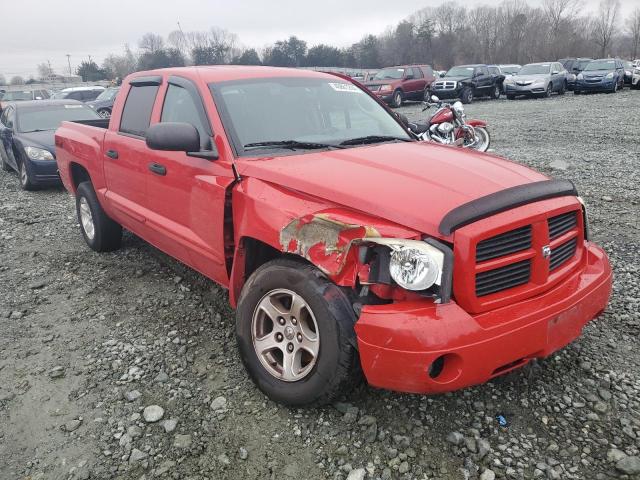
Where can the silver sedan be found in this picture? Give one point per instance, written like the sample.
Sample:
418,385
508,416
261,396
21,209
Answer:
537,79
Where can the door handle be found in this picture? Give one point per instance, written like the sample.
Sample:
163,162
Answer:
158,169
112,154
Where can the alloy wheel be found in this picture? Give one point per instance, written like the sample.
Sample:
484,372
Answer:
285,335
24,175
86,219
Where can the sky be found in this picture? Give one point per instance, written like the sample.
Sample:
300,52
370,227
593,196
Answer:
44,30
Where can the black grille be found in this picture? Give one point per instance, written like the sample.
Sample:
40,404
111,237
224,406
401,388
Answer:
503,278
561,254
562,224
504,244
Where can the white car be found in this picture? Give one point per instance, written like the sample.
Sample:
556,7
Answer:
635,78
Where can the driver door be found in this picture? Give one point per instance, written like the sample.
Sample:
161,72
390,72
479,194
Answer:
186,195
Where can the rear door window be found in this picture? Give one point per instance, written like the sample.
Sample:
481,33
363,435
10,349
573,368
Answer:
136,115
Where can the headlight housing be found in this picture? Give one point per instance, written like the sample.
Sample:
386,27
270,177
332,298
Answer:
580,76
385,88
413,264
35,153
609,75
458,108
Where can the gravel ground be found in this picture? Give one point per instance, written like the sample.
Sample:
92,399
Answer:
124,365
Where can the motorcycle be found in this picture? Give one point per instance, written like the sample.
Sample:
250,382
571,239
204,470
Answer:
449,126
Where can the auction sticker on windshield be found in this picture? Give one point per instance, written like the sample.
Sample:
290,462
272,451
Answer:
345,87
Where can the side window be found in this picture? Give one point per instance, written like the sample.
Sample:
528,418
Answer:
136,115
417,73
179,106
75,95
428,71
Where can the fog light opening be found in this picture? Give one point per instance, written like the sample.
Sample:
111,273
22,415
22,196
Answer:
436,367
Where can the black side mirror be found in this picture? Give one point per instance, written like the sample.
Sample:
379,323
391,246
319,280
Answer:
178,137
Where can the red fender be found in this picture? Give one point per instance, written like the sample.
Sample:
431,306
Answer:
477,123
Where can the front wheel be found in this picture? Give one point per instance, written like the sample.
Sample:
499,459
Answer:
547,93
396,100
295,334
26,183
466,96
495,93
481,141
100,232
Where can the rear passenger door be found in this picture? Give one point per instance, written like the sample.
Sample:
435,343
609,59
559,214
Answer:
125,154
418,83
186,194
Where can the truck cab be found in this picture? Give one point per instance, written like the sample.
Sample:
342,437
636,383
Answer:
348,247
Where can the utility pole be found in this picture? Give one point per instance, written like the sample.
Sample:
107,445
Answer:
69,62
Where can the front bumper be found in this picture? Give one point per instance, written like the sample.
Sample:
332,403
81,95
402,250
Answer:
44,172
600,86
386,97
421,347
448,93
524,89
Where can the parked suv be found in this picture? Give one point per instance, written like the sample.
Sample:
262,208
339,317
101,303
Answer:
537,79
394,85
603,75
573,66
466,82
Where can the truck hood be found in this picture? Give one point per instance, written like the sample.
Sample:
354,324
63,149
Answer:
531,78
411,184
452,79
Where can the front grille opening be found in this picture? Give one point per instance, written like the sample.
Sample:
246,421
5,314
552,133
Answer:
561,224
503,278
561,254
504,244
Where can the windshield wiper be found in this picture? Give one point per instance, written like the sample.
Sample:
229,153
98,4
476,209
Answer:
290,144
38,130
373,139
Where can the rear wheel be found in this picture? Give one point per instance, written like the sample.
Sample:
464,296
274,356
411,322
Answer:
511,97
295,334
495,93
396,100
563,88
104,113
26,182
100,232
466,96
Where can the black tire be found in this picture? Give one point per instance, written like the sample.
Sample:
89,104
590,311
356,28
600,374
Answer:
614,89
576,92
495,93
466,95
107,234
397,99
547,93
563,88
511,97
24,177
337,367
104,113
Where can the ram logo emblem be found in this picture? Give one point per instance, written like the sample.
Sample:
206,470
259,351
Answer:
546,251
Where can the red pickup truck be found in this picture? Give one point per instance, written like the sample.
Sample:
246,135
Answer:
347,247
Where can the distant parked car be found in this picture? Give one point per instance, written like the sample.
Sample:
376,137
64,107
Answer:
628,71
394,85
104,102
82,94
27,138
574,66
24,95
509,69
603,75
467,82
635,79
537,79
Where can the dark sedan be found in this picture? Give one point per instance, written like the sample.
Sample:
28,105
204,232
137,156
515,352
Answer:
104,103
27,138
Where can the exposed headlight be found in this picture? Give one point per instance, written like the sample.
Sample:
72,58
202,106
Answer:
38,153
609,75
414,265
509,80
580,76
458,108
385,88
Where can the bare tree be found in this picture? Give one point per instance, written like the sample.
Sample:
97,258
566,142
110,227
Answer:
44,70
151,42
558,14
17,80
604,23
178,40
633,29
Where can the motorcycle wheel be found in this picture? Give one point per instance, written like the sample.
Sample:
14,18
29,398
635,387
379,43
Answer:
482,140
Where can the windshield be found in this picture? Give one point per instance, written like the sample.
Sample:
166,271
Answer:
581,64
601,65
108,94
49,118
511,70
535,69
389,74
18,96
460,72
312,110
